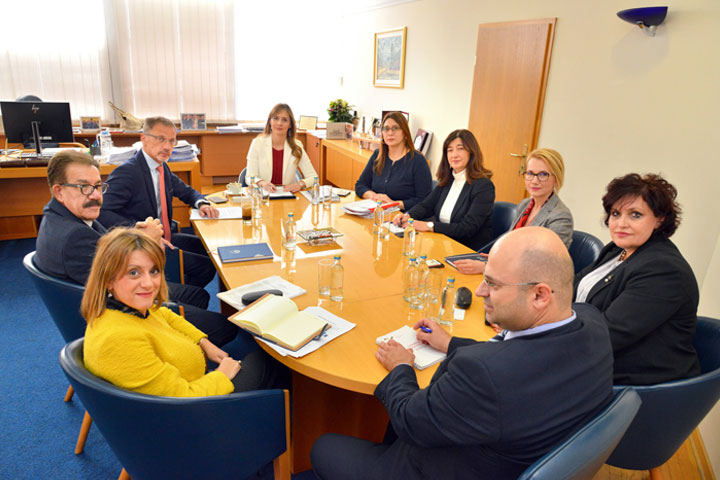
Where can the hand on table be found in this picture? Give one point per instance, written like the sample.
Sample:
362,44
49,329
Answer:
401,220
391,354
470,267
267,186
439,339
421,226
208,211
293,187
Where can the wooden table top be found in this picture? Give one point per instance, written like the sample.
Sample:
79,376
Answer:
372,285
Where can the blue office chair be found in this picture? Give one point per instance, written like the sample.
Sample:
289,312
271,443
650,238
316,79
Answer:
241,177
62,299
502,217
672,410
225,436
582,455
174,265
584,249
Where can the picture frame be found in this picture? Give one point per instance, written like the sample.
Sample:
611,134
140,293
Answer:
389,58
192,121
90,123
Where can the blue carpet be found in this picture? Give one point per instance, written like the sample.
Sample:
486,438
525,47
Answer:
38,430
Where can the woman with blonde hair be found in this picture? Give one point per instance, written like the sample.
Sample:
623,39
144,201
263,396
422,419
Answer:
396,172
136,343
275,155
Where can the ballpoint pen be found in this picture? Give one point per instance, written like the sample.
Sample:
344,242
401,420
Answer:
425,329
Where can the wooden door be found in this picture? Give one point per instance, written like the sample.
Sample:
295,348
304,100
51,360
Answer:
511,70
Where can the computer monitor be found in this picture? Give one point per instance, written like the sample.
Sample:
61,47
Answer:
53,120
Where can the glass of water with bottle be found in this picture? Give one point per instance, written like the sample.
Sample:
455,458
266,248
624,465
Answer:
409,238
447,302
337,278
289,232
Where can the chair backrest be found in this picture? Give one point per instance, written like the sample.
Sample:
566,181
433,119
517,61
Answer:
672,410
153,437
174,265
584,249
503,214
583,454
241,177
61,298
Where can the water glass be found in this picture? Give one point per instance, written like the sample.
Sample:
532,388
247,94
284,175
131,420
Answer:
324,276
326,195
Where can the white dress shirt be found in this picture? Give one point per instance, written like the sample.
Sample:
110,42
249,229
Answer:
452,197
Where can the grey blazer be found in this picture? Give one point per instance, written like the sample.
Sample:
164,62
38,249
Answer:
553,215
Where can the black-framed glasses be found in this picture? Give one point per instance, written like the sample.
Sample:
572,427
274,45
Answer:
394,128
542,176
87,189
171,141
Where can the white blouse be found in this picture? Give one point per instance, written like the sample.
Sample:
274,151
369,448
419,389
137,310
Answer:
594,277
452,197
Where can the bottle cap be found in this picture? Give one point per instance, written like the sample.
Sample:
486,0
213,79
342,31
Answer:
451,279
336,257
423,256
290,215
410,221
412,259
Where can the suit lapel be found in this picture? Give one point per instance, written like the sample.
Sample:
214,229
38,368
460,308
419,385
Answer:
462,199
147,179
287,163
544,212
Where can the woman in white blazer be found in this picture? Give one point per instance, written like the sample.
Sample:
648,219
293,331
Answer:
276,154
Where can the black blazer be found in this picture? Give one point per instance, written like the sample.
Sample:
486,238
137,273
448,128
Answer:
471,218
131,197
650,305
493,408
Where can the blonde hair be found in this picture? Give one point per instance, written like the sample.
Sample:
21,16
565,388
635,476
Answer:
290,137
111,259
554,161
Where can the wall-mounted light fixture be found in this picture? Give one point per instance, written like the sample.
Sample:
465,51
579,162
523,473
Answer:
647,18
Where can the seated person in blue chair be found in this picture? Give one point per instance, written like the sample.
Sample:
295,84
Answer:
396,172
544,173
643,286
460,206
275,155
69,233
492,408
136,343
144,187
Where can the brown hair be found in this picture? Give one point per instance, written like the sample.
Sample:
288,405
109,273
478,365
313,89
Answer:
474,169
150,122
296,150
59,162
554,161
657,192
383,153
111,258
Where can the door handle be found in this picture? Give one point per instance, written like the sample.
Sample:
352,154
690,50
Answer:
521,156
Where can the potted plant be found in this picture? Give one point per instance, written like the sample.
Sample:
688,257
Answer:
340,111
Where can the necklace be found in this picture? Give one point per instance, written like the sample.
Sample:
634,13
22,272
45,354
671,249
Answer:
623,254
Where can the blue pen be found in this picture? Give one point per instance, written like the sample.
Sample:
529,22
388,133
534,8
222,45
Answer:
425,329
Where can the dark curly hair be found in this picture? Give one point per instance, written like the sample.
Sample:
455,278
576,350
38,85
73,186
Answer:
657,192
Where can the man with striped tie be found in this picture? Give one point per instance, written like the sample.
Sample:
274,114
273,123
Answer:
492,408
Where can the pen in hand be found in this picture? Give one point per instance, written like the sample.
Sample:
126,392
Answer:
425,329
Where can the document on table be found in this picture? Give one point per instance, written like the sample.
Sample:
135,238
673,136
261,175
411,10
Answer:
225,214
234,297
338,326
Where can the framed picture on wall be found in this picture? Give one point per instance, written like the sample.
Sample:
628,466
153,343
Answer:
192,121
389,58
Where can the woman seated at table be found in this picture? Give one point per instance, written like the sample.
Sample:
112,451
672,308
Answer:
275,155
396,172
544,175
137,344
642,284
460,206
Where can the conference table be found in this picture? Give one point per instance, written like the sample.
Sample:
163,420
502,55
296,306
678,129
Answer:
333,386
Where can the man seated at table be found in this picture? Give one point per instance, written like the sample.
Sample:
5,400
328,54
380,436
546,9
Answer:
69,233
135,194
492,408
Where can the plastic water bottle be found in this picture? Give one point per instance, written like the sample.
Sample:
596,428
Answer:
447,311
410,279
257,201
315,192
378,217
409,238
106,144
423,276
337,277
289,232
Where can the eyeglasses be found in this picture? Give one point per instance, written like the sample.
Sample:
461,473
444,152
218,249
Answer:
495,285
170,141
87,189
393,129
542,176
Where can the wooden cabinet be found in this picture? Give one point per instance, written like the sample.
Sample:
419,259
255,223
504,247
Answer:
312,147
342,162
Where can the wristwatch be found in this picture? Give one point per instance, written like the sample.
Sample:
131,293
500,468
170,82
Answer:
431,226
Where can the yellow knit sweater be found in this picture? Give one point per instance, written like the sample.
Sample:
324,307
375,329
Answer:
157,355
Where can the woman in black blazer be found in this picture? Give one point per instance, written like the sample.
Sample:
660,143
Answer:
641,283
460,206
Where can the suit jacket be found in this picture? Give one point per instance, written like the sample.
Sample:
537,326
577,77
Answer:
131,197
471,218
65,244
650,304
260,162
493,408
553,215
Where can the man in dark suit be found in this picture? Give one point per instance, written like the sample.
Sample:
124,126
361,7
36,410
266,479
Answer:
492,408
69,233
135,193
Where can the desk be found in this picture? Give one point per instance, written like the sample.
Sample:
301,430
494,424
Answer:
333,386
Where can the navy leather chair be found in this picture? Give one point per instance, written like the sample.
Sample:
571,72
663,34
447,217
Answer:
583,454
241,177
584,249
174,266
62,299
502,217
672,410
225,436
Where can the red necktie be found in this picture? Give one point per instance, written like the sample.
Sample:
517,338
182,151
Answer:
163,203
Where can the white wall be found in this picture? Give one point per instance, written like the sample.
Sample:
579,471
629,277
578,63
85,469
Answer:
617,101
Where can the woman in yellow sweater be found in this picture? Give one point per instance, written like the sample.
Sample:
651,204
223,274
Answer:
137,344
